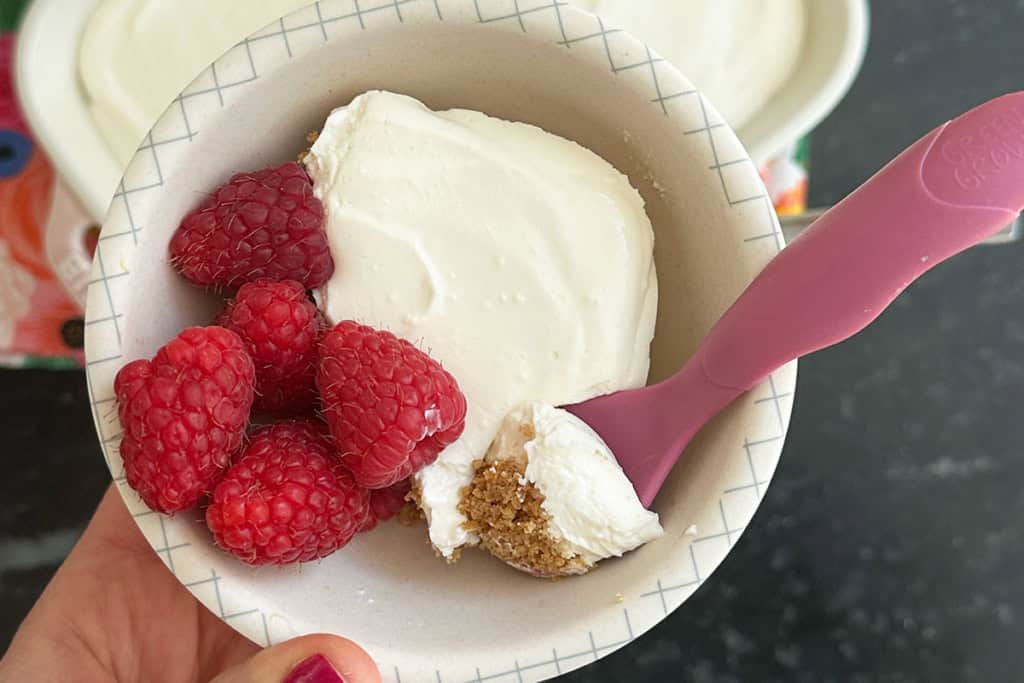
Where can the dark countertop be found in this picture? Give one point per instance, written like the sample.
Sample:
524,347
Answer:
890,544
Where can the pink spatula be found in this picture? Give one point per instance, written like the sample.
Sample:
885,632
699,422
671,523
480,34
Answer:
953,188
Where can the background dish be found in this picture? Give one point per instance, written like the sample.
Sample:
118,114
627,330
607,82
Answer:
51,94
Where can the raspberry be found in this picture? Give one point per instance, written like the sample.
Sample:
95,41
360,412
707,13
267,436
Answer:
386,503
391,408
184,415
261,224
287,498
280,326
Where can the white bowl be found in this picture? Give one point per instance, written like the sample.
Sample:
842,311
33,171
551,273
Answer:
548,65
55,105
835,40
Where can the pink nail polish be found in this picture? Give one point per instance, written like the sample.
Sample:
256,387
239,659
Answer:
316,669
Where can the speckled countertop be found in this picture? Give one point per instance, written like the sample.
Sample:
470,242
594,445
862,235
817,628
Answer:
891,544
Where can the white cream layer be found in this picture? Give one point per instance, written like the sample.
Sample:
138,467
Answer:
518,259
740,53
137,55
593,507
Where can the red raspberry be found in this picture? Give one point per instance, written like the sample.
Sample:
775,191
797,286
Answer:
261,224
391,408
287,498
386,503
280,326
184,415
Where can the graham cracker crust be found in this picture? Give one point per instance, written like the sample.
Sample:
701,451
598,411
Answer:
412,513
311,138
505,511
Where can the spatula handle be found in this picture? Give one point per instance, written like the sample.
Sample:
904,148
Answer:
953,188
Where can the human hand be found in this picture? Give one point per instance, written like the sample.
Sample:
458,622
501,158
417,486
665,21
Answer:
113,613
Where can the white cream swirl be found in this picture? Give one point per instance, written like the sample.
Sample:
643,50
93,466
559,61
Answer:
521,261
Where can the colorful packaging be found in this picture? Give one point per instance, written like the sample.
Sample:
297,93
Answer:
785,176
39,323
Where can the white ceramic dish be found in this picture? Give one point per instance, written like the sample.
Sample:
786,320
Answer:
835,40
48,83
46,75
715,228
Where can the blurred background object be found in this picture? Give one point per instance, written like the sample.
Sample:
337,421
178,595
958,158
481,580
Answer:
95,74
892,530
40,325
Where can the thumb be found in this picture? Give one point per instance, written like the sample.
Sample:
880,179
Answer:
310,659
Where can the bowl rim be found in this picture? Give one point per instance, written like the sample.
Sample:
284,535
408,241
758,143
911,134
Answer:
103,343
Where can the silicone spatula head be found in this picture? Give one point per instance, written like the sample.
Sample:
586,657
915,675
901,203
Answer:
953,188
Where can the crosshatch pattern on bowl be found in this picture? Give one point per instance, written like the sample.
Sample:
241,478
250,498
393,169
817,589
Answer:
309,29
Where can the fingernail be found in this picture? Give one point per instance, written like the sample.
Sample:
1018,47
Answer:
316,669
